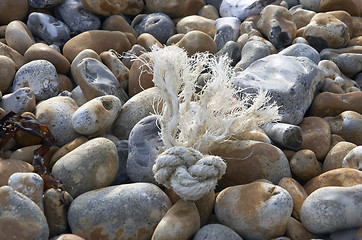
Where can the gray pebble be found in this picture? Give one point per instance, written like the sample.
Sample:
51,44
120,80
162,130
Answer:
122,176
252,51
216,232
44,3
302,50
48,28
227,29
232,50
22,100
136,50
41,76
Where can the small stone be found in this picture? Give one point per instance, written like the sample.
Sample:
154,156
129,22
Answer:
29,184
243,9
48,28
331,209
198,23
41,76
296,230
107,8
181,221
118,23
7,72
20,101
138,208
12,54
43,51
13,10
175,8
197,41
136,108
301,17
10,166
348,125
357,24
18,36
119,70
158,25
209,11
146,40
335,156
277,24
97,40
316,134
244,209
301,50
341,177
304,165
56,113
128,57
56,204
216,232
250,29
252,51
297,193
250,160
20,217
232,51
139,76
353,7
326,31
97,115
227,29
353,159
271,47
65,83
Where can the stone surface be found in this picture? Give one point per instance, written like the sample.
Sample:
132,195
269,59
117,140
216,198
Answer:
291,81
301,50
353,7
7,72
342,177
13,10
139,77
131,7
295,230
181,221
56,113
301,17
175,8
353,159
67,236
90,166
336,154
118,23
145,144
20,217
304,165
48,28
44,3
112,60
277,25
250,160
227,29
255,211
232,50
13,54
146,40
197,23
122,176
216,232
138,208
209,11
97,115
197,41
252,51
10,166
18,36
331,209
41,76
20,101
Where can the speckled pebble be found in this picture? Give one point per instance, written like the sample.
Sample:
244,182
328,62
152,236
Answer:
216,232
20,101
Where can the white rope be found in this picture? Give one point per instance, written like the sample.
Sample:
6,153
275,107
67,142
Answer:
190,174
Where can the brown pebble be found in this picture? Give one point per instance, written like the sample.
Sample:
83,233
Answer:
118,23
146,40
18,36
139,79
197,41
10,166
13,10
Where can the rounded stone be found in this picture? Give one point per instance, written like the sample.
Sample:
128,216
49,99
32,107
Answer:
10,166
341,177
13,10
245,208
7,51
232,50
7,72
197,41
129,57
146,40
190,23
41,76
311,4
118,23
56,113
138,208
252,51
48,28
158,25
44,3
20,217
97,40
304,165
43,51
97,115
353,159
301,17
112,60
301,50
181,221
175,8
18,36
107,8
90,166
353,7
296,230
216,232
20,101
335,156
139,78
67,236
330,209
209,11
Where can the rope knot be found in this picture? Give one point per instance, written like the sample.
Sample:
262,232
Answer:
190,174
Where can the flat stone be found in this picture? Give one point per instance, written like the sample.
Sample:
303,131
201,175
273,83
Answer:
138,208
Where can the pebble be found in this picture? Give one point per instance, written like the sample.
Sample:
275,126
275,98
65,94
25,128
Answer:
145,144
304,165
102,7
44,3
301,17
20,217
209,11
243,159
244,209
295,230
232,50
195,22
56,113
11,53
227,29
29,184
7,72
175,8
252,51
197,41
13,10
56,204
139,76
20,101
118,23
216,232
97,115
41,76
302,50
10,166
90,166
48,28
341,177
138,208
181,221
122,176
330,209
18,36
276,23
119,70
336,154
353,7
146,40
353,159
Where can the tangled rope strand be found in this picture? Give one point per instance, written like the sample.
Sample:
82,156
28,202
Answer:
188,172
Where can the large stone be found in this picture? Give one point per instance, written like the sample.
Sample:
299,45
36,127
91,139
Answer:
129,211
198,23
353,7
291,81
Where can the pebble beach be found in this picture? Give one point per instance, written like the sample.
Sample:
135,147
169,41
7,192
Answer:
170,119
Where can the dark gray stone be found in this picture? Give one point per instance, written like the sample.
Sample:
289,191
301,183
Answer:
122,176
232,50
285,135
48,28
145,144
252,51
216,232
78,19
44,3
158,25
301,50
292,83
129,56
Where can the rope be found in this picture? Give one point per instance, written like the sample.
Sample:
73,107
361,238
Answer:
190,174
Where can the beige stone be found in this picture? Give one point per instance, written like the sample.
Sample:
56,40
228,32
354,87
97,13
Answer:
335,156
344,17
357,41
104,7
304,165
196,22
175,39
18,36
13,54
357,26
210,12
301,17
65,84
197,41
7,72
13,10
353,7
296,231
146,40
10,166
353,159
118,23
